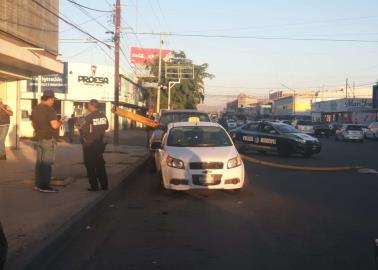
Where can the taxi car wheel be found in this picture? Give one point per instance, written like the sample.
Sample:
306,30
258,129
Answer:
159,181
151,164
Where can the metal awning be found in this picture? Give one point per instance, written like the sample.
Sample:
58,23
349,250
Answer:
19,63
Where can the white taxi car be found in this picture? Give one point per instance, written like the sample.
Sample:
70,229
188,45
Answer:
198,155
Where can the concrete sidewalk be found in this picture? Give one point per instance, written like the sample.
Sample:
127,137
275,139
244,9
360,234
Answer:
30,217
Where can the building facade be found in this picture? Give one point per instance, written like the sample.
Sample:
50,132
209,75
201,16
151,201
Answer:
28,47
74,88
346,110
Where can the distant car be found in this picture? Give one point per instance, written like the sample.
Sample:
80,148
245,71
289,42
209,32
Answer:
231,123
334,126
350,132
199,156
288,122
173,116
240,122
312,128
274,137
372,131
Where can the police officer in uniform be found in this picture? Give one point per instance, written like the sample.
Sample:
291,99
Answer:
92,134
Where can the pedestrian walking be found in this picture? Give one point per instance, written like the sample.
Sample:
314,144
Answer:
5,114
46,130
71,128
92,134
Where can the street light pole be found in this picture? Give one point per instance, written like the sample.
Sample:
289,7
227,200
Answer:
116,67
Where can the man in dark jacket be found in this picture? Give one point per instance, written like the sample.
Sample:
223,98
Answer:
3,248
92,134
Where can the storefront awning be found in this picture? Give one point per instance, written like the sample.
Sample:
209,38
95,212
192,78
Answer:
18,62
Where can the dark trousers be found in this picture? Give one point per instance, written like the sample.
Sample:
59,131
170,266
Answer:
46,151
95,164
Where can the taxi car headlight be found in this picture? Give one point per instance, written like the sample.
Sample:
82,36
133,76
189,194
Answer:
175,163
234,162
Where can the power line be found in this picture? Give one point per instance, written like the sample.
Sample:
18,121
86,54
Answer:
260,37
303,23
70,23
86,7
84,22
85,12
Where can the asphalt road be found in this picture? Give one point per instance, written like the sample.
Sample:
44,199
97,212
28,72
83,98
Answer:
285,220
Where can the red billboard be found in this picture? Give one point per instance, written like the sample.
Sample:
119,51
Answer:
145,56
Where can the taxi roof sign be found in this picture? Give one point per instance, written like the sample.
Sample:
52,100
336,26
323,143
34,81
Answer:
193,119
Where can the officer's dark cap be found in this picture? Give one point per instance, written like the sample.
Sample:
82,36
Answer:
94,102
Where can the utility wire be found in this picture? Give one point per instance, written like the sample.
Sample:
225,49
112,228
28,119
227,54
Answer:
85,12
86,7
70,23
260,37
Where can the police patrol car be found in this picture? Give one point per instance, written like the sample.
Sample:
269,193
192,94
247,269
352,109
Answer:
267,136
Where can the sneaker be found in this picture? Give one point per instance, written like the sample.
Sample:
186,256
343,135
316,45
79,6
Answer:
48,190
37,189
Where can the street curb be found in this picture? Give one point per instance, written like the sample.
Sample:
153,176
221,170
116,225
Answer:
43,252
300,168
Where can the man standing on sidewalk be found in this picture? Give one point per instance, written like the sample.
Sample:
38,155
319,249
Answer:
92,134
5,114
46,127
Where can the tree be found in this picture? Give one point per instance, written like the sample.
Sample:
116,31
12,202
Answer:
190,92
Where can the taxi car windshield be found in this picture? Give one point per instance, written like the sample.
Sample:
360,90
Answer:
284,128
173,117
198,137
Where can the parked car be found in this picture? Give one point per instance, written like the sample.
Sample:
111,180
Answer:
334,126
350,132
231,123
266,136
199,156
240,122
312,128
372,131
172,116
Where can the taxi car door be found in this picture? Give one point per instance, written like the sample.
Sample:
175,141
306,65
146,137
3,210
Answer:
268,137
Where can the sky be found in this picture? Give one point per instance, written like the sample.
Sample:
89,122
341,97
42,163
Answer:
299,44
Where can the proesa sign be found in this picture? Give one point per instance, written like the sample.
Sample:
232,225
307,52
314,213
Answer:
93,80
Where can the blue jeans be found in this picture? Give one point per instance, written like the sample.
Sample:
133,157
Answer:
3,135
46,151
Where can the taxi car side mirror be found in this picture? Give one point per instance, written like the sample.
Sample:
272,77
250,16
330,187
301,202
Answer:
156,145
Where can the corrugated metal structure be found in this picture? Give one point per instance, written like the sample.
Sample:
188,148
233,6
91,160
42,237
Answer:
28,39
25,20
